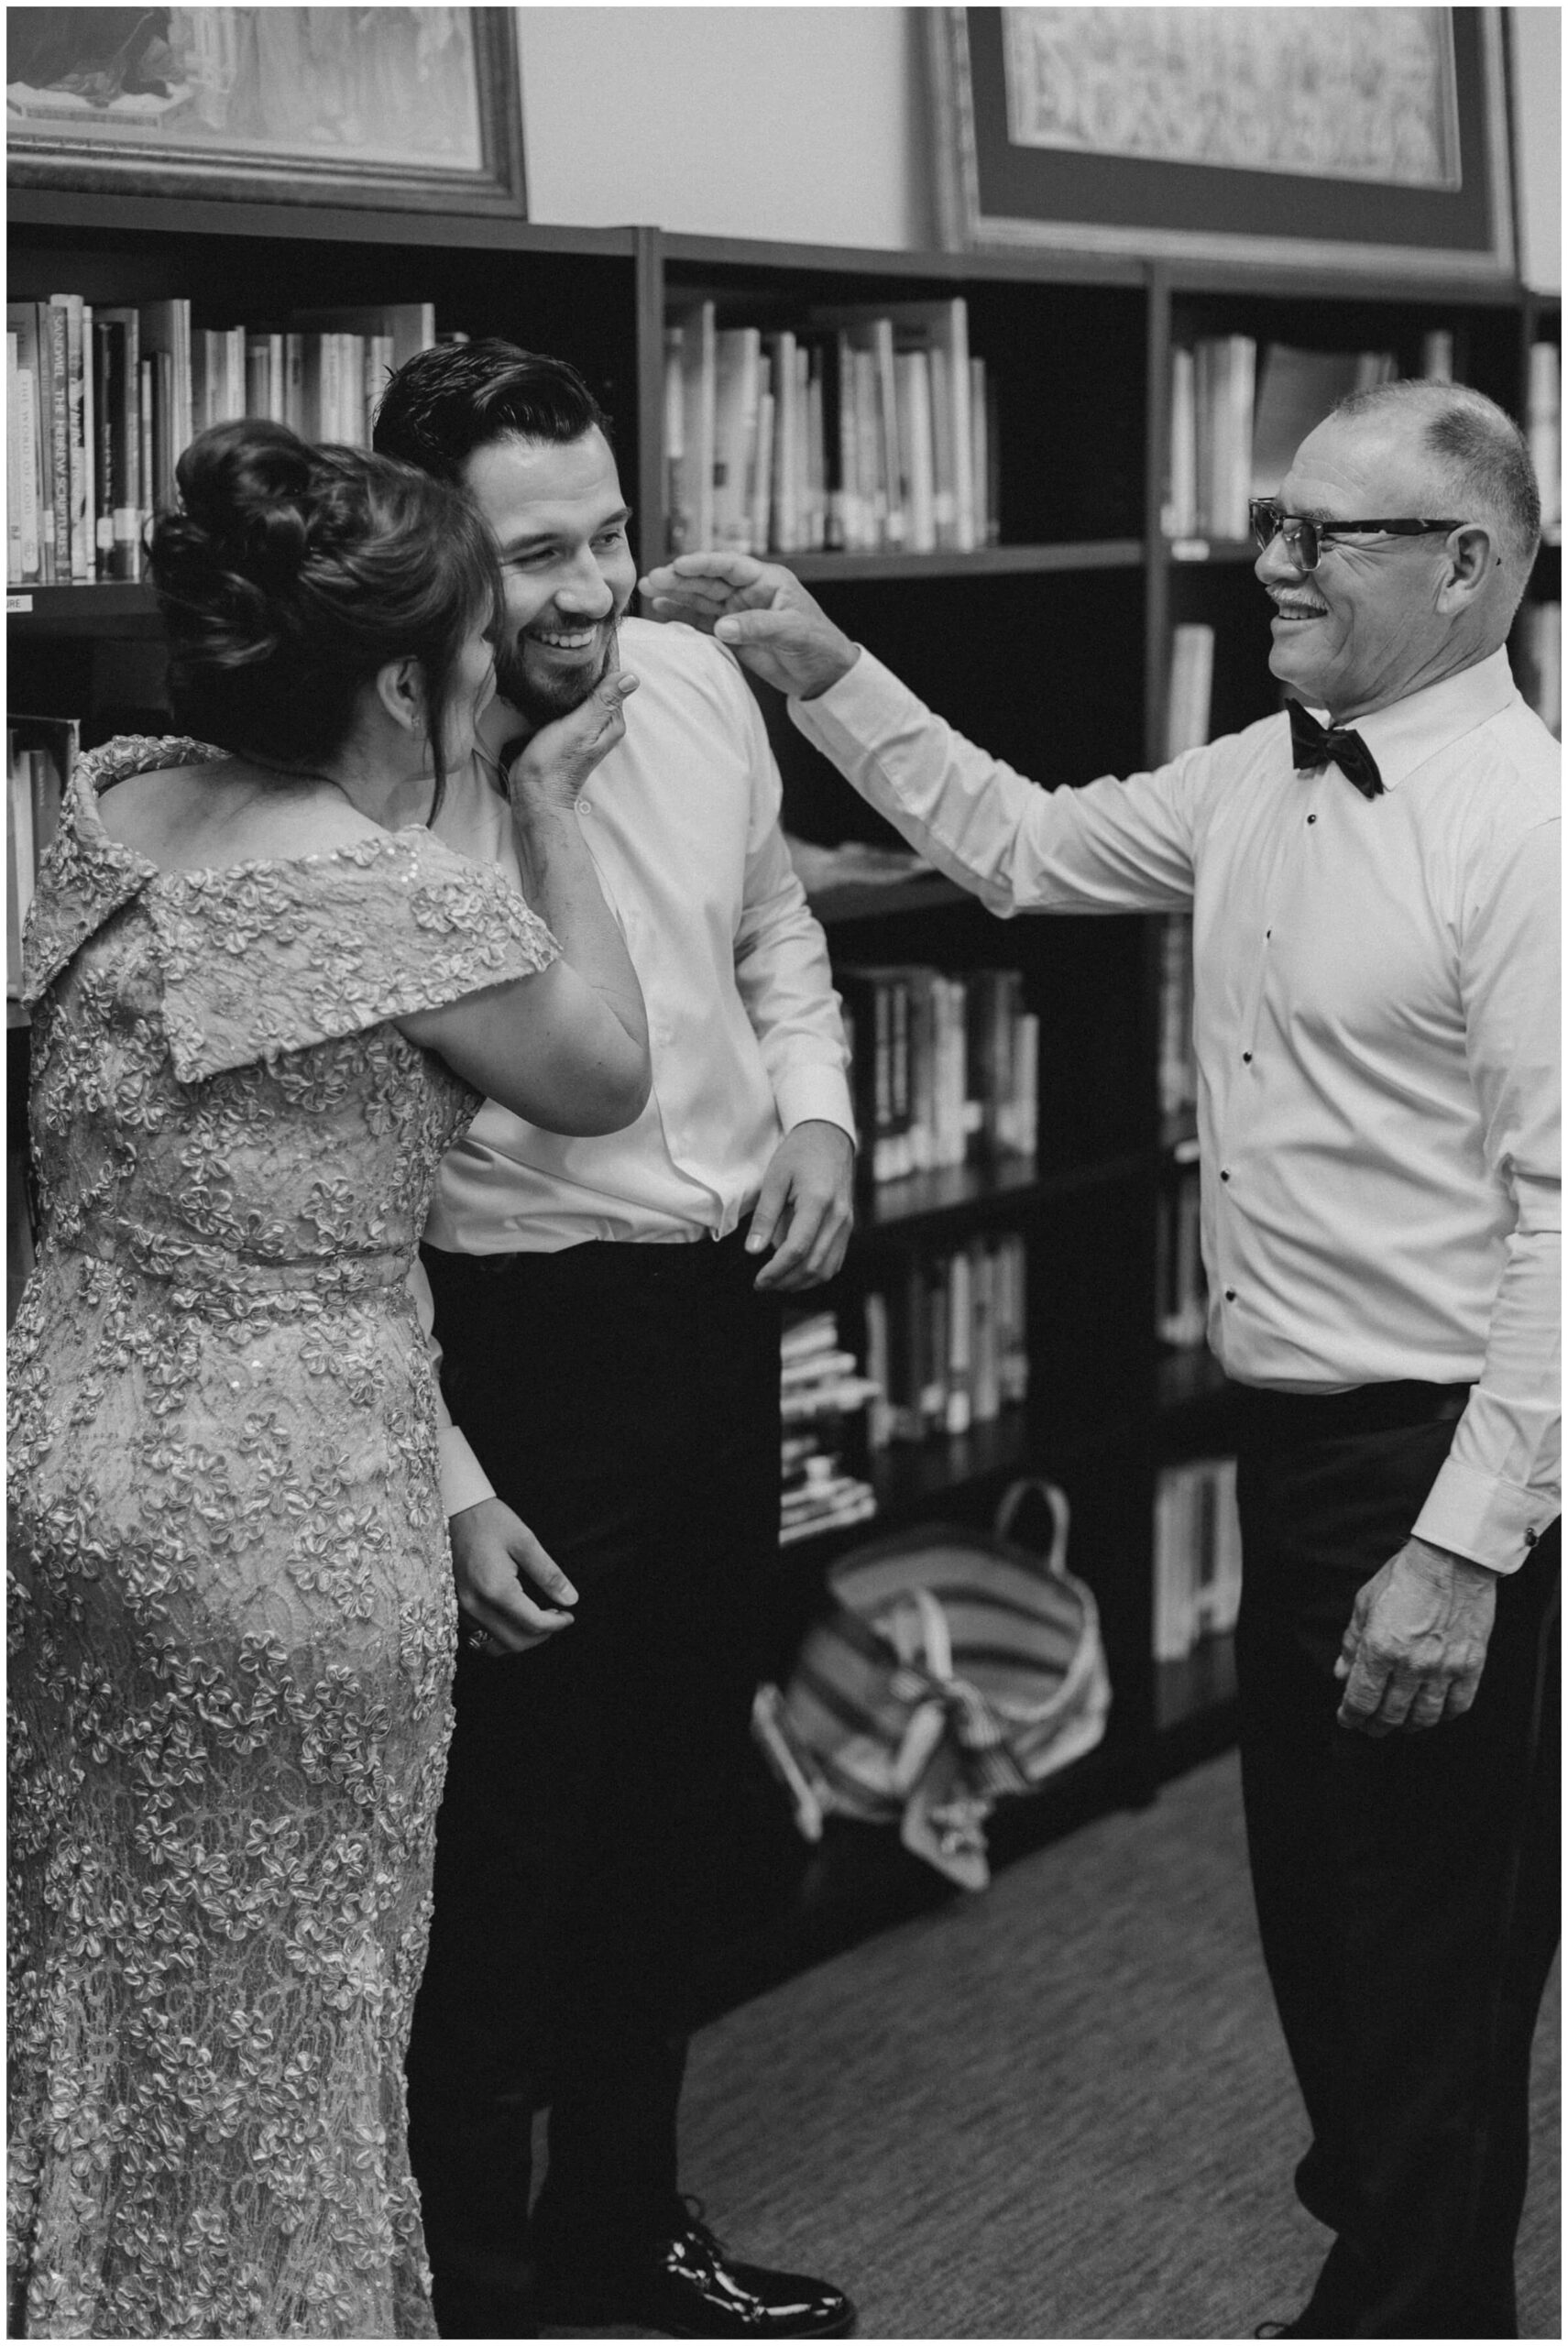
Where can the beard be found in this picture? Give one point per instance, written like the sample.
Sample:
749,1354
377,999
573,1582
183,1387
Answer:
541,699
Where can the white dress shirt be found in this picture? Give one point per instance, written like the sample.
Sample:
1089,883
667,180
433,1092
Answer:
682,821
1375,1030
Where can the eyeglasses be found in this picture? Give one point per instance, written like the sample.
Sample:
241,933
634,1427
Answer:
1305,541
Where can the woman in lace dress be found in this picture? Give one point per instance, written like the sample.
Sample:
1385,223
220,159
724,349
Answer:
261,1012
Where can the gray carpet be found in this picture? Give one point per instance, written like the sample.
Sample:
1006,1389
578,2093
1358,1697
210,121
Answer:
1061,2110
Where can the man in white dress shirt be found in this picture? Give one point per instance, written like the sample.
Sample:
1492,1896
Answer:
1376,941
608,1313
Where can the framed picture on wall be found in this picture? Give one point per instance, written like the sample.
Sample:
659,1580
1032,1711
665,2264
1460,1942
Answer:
408,107
1374,136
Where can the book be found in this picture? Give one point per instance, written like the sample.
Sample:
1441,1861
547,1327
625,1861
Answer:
165,338
1544,426
40,754
691,516
78,536
122,435
1192,682
1295,388
738,352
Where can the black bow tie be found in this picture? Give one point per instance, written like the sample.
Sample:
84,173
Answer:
1314,746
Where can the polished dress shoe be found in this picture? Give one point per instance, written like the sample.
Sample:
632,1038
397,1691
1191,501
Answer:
687,2287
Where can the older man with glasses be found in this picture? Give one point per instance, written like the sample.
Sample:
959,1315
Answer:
1373,875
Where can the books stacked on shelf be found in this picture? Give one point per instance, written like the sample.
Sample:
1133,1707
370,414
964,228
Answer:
103,402
860,430
1181,1290
1235,423
821,1388
947,1341
39,754
1177,1059
1540,661
1544,424
1197,1555
945,1067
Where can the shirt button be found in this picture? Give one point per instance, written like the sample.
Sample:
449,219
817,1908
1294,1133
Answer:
1247,1058
1311,818
1267,935
1230,1295
1223,1175
584,805
1530,1538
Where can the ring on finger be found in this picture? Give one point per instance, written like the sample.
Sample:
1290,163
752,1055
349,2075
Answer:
476,1639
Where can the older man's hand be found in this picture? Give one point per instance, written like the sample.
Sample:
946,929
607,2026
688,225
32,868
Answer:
762,611
1413,1653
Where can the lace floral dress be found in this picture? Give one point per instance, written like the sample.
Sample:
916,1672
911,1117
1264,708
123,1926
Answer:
232,1610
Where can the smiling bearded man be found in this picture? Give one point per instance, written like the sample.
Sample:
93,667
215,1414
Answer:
609,1319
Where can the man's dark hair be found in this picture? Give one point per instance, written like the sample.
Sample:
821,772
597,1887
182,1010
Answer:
444,403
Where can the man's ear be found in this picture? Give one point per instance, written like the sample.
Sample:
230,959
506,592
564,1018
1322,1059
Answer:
399,687
1472,555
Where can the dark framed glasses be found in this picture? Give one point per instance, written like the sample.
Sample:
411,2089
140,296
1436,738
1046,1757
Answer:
1305,541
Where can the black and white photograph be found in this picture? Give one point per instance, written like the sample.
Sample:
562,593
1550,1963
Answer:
784,1174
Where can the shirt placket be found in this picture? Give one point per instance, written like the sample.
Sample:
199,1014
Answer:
1295,828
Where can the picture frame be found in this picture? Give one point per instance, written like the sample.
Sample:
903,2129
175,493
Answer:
396,108
1111,131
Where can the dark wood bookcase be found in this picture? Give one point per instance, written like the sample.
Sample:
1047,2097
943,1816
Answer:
1051,648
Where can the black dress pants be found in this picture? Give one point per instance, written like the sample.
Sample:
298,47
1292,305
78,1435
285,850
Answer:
624,1398
1407,1886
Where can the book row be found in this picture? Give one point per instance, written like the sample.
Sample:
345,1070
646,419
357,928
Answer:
944,1066
857,431
822,1386
102,403
946,1344
1236,422
1197,1555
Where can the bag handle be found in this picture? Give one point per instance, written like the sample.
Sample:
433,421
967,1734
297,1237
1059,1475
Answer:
1035,1485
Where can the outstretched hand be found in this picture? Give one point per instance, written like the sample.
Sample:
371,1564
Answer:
762,611
557,760
492,1549
1416,1645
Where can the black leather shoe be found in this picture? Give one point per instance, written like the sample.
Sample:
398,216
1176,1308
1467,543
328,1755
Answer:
689,2288
480,2293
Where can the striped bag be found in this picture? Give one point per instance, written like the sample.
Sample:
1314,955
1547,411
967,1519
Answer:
952,1668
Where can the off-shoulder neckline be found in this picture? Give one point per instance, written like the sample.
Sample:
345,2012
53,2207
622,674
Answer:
91,782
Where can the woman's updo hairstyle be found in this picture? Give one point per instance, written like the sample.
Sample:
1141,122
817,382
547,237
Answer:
292,575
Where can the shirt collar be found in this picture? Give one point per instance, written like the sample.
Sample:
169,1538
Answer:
1406,733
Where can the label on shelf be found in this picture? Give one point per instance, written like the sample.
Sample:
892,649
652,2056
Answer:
1190,549
18,602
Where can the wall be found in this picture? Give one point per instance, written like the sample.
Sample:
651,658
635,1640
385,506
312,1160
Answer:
1537,39
808,125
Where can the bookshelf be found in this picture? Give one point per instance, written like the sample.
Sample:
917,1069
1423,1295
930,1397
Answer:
1057,633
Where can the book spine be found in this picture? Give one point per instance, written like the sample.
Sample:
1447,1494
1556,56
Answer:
59,442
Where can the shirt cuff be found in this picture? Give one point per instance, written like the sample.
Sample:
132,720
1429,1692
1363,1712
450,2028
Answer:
464,1482
857,698
814,1094
1493,1523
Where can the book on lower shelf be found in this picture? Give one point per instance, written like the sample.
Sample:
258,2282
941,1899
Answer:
40,753
946,1343
1197,1556
824,1395
1181,1306
944,1065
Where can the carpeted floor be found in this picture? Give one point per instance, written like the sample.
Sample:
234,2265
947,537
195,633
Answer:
1061,2110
